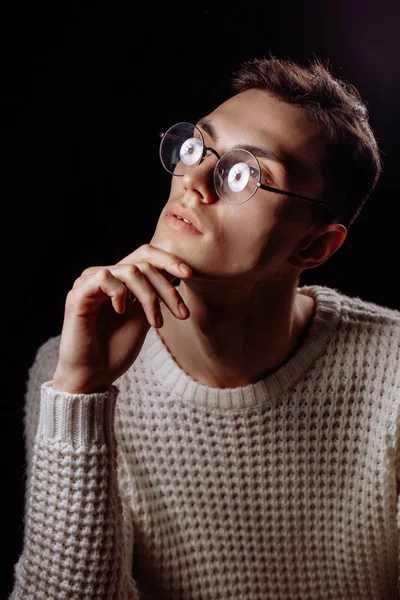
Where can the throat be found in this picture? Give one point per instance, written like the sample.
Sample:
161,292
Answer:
236,355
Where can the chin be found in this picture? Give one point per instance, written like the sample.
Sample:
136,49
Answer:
203,262
164,243
172,245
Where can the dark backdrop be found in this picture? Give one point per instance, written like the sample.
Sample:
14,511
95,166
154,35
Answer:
85,91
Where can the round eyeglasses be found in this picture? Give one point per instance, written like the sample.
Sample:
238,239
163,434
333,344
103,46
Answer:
237,174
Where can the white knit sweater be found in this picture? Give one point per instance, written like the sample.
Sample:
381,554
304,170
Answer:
163,488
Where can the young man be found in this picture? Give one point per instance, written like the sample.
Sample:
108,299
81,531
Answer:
235,436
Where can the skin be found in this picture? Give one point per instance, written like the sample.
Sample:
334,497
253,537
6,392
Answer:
248,261
243,315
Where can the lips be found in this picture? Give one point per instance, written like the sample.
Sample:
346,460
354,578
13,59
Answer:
182,213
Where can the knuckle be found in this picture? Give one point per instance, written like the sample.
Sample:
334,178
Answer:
89,271
103,274
132,270
71,297
146,252
76,283
146,267
172,292
152,297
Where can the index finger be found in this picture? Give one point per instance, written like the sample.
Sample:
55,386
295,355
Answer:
160,259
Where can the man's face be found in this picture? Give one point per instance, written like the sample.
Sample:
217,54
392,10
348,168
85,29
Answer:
254,238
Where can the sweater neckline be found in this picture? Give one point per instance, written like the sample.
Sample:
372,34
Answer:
268,389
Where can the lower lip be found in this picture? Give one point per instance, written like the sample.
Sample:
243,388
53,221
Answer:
180,225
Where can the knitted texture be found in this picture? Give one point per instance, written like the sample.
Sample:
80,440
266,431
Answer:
164,488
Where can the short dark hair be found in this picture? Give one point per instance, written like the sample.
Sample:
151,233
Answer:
352,164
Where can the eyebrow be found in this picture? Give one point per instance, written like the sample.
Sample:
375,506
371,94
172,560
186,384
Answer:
260,151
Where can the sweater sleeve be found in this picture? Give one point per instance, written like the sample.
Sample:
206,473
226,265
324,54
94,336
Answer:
398,502
73,542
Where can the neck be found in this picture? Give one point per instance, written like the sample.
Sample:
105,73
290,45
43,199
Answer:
234,336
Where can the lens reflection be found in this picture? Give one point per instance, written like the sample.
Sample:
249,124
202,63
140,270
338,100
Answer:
181,148
236,174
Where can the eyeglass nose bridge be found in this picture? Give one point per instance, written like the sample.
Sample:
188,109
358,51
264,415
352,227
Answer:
212,171
212,150
208,149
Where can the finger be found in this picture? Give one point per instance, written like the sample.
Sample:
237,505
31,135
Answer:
91,270
166,291
149,287
160,259
143,282
89,293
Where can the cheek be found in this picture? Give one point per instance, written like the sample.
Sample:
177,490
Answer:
248,238
255,228
264,239
176,185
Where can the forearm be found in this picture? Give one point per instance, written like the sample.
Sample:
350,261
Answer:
72,536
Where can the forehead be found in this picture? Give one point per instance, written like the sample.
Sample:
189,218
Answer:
255,117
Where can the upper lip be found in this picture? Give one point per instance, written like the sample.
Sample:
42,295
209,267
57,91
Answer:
180,211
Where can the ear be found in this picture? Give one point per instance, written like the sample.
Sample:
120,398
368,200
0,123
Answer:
317,248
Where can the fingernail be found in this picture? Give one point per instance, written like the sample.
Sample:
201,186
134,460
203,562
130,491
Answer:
184,268
183,309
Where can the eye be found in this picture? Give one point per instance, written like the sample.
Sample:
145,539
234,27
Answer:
191,151
238,176
254,173
266,176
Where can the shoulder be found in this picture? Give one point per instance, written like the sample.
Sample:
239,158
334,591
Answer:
372,330
365,333
363,313
45,360
366,349
41,370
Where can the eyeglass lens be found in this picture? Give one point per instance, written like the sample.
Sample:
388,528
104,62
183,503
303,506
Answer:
236,174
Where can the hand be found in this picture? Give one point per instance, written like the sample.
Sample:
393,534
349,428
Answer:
103,329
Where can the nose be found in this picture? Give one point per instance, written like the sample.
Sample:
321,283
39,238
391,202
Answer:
200,179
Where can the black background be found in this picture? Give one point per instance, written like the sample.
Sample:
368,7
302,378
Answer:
85,91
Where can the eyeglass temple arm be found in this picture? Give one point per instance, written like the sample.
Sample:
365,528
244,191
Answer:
272,189
267,187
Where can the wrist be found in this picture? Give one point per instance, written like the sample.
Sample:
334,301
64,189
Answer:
61,383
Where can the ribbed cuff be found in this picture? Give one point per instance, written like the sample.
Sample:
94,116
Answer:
77,419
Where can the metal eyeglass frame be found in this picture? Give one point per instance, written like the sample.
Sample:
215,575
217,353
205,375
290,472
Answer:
263,186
